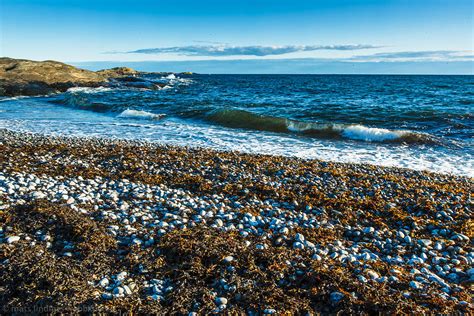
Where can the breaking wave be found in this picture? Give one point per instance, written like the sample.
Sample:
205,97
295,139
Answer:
360,132
88,89
246,120
137,114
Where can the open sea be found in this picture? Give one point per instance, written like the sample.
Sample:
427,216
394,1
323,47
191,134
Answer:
417,122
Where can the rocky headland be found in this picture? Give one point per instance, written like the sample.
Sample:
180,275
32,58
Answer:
20,77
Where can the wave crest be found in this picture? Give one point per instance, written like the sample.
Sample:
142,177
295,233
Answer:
137,114
360,132
88,89
247,120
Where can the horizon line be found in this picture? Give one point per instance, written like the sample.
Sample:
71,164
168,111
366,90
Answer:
294,66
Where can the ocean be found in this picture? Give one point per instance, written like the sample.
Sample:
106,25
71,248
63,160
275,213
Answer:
417,122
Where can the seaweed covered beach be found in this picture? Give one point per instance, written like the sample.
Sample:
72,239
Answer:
91,225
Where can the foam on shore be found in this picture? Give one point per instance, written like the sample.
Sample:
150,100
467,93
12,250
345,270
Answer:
360,132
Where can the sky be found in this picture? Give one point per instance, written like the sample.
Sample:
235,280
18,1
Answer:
305,36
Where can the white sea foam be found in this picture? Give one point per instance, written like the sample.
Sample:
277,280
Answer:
14,98
355,132
174,80
360,132
88,89
297,127
137,114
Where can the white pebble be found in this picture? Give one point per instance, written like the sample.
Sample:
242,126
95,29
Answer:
104,282
12,239
220,301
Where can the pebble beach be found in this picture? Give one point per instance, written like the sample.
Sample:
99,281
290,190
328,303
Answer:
103,225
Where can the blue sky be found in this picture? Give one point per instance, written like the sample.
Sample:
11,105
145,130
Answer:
416,32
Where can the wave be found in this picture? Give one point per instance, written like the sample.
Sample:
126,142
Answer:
173,80
4,99
167,87
133,84
360,132
88,89
137,114
247,120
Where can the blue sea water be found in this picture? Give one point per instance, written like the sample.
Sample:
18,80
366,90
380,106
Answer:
418,122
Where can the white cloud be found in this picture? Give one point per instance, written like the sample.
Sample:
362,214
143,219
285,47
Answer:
255,50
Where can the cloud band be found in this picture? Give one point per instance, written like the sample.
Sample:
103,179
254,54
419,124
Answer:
226,50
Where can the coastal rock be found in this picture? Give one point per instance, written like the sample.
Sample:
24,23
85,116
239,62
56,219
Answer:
121,276
221,301
13,239
38,195
117,72
104,282
269,311
29,78
336,297
118,290
107,296
416,285
136,82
